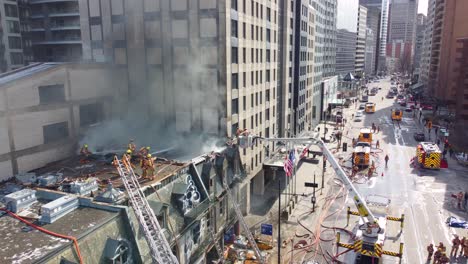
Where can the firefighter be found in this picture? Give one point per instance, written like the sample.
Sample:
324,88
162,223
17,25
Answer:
143,152
465,247
455,245
84,151
147,166
131,146
437,255
127,158
430,252
444,259
386,160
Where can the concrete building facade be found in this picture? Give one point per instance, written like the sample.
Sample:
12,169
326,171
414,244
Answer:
11,47
303,66
347,21
45,107
420,28
427,45
324,52
55,31
369,56
361,41
403,21
198,66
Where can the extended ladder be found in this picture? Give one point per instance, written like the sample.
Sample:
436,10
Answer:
216,244
159,247
244,224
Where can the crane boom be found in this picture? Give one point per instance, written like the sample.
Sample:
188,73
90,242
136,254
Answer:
364,211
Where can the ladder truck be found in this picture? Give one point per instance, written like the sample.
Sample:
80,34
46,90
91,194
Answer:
370,234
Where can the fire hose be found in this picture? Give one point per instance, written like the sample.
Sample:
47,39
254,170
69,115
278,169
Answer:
73,239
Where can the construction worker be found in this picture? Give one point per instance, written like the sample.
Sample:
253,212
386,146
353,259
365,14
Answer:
131,146
430,252
147,166
386,160
455,246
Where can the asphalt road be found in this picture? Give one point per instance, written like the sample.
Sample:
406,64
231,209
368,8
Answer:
422,195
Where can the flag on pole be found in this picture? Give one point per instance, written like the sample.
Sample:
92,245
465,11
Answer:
289,163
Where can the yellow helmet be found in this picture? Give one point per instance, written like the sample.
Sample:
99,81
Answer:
148,148
149,156
85,145
129,151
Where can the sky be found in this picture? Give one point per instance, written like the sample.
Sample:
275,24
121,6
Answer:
422,8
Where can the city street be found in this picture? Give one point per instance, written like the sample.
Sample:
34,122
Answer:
423,196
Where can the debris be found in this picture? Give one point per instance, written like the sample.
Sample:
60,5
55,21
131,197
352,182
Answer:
455,222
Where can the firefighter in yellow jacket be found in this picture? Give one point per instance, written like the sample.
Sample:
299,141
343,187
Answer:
147,166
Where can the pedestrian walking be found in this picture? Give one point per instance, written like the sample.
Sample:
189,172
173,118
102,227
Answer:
451,151
438,142
377,144
386,160
435,130
444,153
455,246
430,252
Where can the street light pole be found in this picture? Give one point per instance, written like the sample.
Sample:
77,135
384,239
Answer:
274,169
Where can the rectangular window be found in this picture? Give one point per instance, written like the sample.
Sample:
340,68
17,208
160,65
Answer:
251,122
261,55
252,32
243,6
256,55
244,105
244,81
256,32
252,55
11,10
256,120
244,30
234,4
52,94
314,108
13,26
16,58
261,11
256,77
91,114
233,28
252,8
14,42
267,95
267,114
267,76
268,35
267,55
256,99
252,100
267,132
235,106
261,97
234,55
252,78
261,75
234,81
55,132
268,14
244,55
256,10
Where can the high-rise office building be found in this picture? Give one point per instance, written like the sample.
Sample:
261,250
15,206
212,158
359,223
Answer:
197,66
369,56
55,30
303,66
11,46
380,7
361,41
420,27
347,21
325,51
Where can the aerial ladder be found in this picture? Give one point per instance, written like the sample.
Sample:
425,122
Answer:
160,249
370,236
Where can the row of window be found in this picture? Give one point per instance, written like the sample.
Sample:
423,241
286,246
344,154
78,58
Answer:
256,9
256,32
254,75
254,55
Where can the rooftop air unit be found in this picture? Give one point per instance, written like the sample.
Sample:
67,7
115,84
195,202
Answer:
57,208
84,187
20,200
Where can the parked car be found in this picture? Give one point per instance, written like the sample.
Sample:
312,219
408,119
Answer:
408,109
358,117
426,107
389,96
419,136
402,102
362,106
